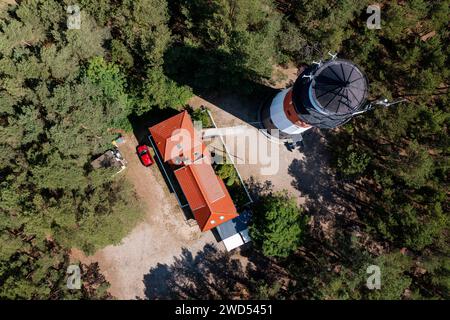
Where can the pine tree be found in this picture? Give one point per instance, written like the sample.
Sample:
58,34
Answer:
278,225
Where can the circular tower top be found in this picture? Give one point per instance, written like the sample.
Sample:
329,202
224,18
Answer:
328,95
338,86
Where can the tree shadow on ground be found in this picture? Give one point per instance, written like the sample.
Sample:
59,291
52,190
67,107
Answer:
216,76
298,274
330,200
140,124
312,175
315,178
257,188
208,274
326,197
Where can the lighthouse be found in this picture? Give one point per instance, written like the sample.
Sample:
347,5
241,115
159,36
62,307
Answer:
325,95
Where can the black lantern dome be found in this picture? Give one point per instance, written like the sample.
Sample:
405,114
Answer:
327,95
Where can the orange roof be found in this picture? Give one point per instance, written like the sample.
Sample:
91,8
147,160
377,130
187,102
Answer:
208,198
206,194
177,140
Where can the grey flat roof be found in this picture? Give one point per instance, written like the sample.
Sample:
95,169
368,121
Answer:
234,226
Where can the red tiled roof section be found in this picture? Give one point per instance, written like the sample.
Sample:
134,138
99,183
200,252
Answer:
190,188
176,137
201,186
222,210
163,130
178,142
206,177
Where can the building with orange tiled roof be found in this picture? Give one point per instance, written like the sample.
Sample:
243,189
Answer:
177,140
181,146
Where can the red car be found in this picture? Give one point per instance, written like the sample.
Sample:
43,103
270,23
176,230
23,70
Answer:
145,156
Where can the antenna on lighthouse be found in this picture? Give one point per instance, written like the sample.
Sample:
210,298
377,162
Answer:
333,55
385,102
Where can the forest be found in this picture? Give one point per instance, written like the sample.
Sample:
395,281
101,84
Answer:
135,56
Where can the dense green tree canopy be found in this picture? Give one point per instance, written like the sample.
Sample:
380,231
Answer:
51,79
222,43
401,154
278,225
64,92
352,283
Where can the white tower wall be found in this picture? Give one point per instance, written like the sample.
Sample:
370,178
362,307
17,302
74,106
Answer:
279,118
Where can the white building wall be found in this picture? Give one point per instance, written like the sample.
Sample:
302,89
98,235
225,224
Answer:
233,242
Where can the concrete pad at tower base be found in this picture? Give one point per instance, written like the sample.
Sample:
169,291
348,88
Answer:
252,172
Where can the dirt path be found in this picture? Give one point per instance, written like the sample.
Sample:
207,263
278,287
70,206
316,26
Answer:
158,239
6,2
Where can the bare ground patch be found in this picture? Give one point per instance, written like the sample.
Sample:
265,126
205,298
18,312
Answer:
158,239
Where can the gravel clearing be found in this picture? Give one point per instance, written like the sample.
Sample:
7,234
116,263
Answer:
158,239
